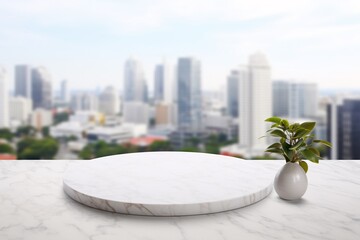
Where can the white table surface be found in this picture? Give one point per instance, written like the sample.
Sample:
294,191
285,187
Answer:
167,183
34,206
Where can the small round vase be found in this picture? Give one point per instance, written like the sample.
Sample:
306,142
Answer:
291,181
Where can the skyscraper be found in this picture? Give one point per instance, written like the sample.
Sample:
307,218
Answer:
281,96
23,86
343,128
4,99
64,91
255,104
233,94
135,88
189,111
41,88
164,95
159,83
295,99
164,83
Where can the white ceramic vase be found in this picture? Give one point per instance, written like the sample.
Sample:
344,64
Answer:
291,181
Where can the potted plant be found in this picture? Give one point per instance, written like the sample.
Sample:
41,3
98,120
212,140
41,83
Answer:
296,143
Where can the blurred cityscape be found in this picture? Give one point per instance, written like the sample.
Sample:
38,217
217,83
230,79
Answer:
42,121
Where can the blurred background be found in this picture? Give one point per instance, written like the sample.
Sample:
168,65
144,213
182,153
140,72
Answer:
83,79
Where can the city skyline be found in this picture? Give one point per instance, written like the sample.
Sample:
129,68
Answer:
315,42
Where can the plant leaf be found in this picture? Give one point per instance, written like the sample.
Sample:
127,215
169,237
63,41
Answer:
323,142
286,147
287,159
294,127
304,165
310,155
278,133
285,123
308,125
274,150
297,144
314,150
301,133
276,120
274,145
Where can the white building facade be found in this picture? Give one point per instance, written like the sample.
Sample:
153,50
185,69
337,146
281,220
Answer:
135,88
109,101
255,103
136,112
84,101
4,99
20,109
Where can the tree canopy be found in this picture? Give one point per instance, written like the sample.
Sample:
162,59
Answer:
31,148
5,133
6,148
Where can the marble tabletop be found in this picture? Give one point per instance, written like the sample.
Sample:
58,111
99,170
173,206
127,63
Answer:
34,206
167,183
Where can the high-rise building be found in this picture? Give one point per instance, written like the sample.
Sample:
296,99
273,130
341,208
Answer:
281,96
159,83
4,99
303,100
109,101
23,85
164,87
41,88
233,94
255,104
343,128
189,99
135,88
64,91
295,99
20,109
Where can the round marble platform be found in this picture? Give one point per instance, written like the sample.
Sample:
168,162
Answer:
167,183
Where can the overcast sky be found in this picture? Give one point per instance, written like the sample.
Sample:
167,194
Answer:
88,41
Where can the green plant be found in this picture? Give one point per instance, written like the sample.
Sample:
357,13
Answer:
296,141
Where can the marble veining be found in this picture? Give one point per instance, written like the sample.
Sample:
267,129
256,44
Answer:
167,183
34,206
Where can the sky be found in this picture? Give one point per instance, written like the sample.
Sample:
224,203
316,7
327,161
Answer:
88,41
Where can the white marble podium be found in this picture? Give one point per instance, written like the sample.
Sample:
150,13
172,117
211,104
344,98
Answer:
167,183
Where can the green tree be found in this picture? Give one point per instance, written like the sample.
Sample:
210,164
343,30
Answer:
189,149
160,146
212,148
49,147
222,138
212,144
30,148
45,131
23,144
86,152
101,149
26,131
5,133
6,148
